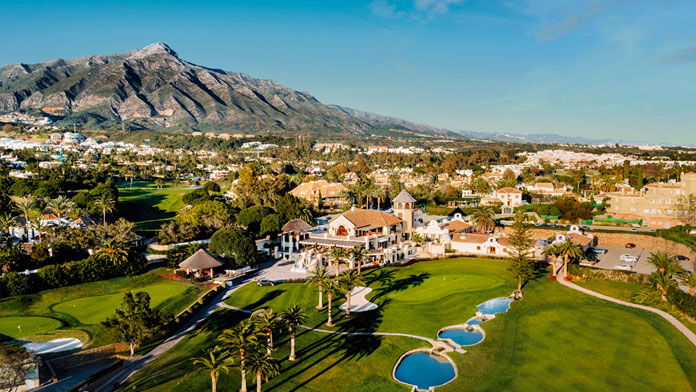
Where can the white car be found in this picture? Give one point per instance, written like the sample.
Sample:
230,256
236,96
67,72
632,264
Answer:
628,258
624,267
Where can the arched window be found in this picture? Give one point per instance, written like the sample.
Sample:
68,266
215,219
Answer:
341,231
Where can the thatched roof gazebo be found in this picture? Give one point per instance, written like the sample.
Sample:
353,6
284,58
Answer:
200,261
295,225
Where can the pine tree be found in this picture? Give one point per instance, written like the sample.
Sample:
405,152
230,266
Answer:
521,251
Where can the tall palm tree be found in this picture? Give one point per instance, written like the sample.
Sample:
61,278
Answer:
359,255
37,225
112,252
663,283
6,222
332,288
571,252
666,263
214,361
25,207
484,218
319,276
243,337
60,205
267,320
265,367
293,317
554,252
337,256
105,203
348,281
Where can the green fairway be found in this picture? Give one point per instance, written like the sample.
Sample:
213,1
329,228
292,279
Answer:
148,206
17,327
95,309
554,339
79,310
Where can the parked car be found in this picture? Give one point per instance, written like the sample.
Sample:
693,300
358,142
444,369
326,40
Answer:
630,245
624,267
634,229
585,227
682,258
628,258
599,251
265,282
653,230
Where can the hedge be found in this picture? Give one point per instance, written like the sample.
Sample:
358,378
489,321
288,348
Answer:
68,274
683,301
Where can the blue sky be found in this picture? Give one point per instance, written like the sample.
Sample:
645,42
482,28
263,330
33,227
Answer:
593,68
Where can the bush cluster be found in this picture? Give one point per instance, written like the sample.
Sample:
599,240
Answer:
683,301
68,274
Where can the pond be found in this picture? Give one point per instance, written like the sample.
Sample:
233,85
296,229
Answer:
495,305
424,370
474,321
462,336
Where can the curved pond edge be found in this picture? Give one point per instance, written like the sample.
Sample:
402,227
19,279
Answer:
453,346
430,352
466,327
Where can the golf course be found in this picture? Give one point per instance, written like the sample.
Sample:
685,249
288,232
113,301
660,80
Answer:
77,311
555,338
148,206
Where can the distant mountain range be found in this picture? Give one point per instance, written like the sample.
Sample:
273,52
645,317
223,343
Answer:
153,88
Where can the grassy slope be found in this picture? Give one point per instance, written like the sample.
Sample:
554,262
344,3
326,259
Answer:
555,339
93,302
148,206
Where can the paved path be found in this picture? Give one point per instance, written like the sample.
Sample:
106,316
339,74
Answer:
358,302
681,327
225,306
170,342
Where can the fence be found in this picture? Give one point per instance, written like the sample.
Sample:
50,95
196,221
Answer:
88,356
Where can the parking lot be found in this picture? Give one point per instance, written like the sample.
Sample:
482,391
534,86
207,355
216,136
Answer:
611,259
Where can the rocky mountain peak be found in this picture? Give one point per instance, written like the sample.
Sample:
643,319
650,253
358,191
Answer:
156,48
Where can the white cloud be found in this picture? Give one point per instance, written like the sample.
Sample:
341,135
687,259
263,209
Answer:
416,9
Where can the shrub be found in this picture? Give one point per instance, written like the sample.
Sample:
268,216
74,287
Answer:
54,276
14,283
683,301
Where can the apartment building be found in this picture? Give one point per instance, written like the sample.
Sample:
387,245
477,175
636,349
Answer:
654,204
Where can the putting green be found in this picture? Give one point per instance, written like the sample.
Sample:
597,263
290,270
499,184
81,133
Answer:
438,287
95,309
22,326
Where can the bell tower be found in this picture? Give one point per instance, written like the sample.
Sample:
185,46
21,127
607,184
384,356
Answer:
405,209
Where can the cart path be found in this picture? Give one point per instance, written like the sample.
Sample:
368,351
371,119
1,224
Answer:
681,327
225,306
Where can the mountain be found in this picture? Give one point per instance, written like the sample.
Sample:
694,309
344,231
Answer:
154,89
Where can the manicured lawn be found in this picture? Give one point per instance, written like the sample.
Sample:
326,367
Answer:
16,327
619,290
79,310
149,207
554,339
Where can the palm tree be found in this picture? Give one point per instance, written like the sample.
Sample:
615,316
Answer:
691,282
417,238
337,256
6,222
60,205
112,252
293,317
215,361
265,367
570,251
554,252
159,183
666,263
359,254
267,320
663,283
37,225
25,206
105,203
243,337
348,281
484,218
331,287
320,275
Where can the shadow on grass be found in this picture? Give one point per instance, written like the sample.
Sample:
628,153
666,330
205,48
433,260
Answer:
401,284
